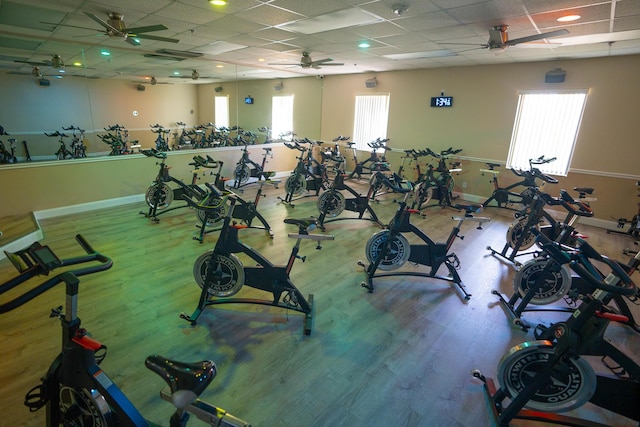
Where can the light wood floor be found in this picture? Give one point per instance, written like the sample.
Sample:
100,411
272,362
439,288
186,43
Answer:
400,356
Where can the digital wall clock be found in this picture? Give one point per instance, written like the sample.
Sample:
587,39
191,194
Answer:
442,101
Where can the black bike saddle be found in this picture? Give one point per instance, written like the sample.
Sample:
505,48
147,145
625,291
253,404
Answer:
583,190
303,224
469,209
194,377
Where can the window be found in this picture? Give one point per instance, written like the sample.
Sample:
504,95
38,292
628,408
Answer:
221,111
547,125
370,119
281,115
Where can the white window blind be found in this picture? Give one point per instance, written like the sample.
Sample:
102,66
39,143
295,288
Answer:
221,104
281,115
547,125
370,119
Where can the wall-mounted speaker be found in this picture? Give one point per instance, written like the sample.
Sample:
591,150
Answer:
555,76
44,82
218,89
141,88
371,83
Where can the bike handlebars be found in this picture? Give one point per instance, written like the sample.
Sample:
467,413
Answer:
42,261
569,202
580,261
152,152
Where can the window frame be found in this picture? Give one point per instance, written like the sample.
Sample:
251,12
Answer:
519,156
275,131
217,118
363,132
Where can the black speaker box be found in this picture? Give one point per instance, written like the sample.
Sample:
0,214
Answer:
555,76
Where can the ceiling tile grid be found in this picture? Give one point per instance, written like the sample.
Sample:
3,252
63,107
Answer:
257,35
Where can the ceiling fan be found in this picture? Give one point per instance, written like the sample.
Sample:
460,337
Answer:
55,62
195,75
115,27
152,81
307,62
499,38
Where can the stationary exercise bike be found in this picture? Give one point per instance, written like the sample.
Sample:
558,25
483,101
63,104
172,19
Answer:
216,204
332,202
162,140
160,195
551,375
439,186
505,197
63,152
221,274
75,390
247,168
519,237
389,249
374,162
304,177
540,281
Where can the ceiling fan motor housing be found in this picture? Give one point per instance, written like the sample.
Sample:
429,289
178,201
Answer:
116,20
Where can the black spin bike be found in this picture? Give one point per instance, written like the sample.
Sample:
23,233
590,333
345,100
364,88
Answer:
389,249
75,390
160,195
309,175
220,273
555,373
247,168
507,197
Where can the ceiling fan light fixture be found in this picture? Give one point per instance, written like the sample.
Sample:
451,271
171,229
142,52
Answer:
36,72
399,9
57,62
153,81
568,18
195,75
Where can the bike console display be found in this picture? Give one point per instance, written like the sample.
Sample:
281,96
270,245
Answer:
45,257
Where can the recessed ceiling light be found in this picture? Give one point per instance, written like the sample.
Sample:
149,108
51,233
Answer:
77,64
219,66
218,2
105,53
568,18
176,73
364,44
260,59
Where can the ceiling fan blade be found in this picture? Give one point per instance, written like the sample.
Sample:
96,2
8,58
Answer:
132,40
537,37
103,23
37,64
322,60
284,63
147,29
157,38
330,64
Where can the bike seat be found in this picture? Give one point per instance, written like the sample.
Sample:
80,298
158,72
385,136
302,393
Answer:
469,209
583,190
194,377
303,224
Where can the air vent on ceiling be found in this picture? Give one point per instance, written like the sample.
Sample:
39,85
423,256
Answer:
163,57
179,53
